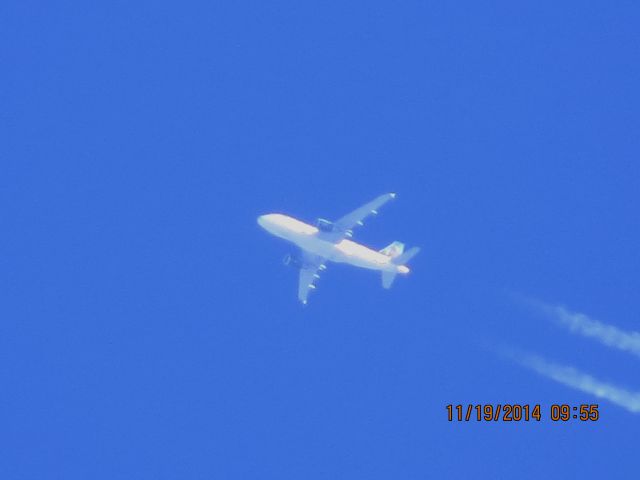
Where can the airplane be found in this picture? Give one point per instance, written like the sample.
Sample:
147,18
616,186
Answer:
330,242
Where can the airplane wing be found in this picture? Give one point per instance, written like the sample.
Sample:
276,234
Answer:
355,218
309,274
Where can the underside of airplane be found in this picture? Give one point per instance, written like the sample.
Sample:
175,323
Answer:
329,241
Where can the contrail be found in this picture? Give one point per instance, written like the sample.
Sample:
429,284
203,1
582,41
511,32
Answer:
589,327
571,377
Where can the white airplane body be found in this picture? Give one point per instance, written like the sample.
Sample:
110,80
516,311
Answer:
326,242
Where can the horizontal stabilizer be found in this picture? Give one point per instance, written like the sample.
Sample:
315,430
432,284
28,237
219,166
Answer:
406,256
387,279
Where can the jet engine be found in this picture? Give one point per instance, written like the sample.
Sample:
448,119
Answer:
324,225
291,261
329,227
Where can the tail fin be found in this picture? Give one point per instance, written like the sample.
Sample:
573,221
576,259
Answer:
393,249
389,277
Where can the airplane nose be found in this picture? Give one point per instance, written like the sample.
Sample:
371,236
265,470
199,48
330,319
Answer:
270,222
263,221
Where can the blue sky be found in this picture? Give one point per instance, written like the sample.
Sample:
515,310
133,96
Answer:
148,327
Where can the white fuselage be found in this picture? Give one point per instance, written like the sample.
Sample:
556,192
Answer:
307,238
